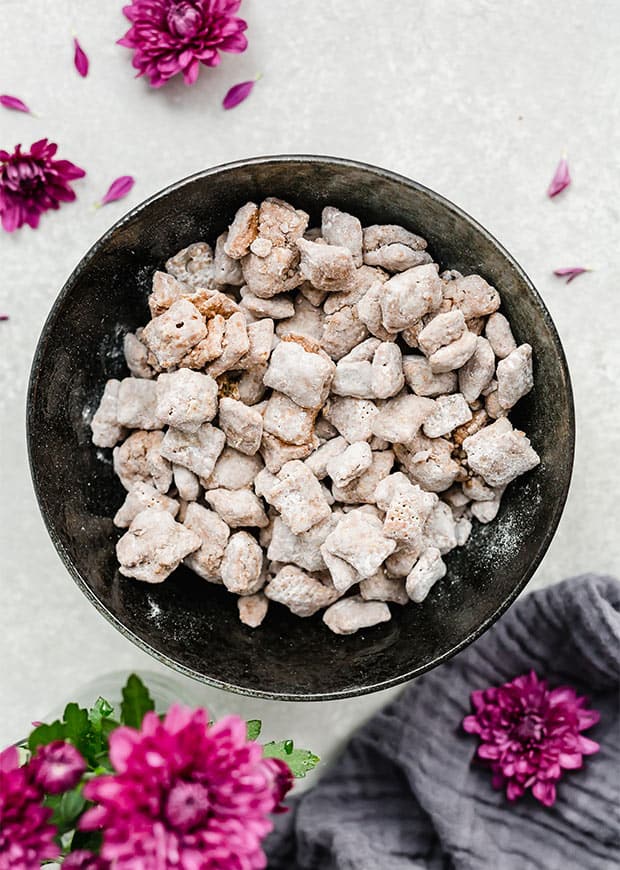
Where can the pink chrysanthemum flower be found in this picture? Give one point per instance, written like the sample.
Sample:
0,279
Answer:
26,837
185,794
32,183
529,734
57,767
176,36
82,859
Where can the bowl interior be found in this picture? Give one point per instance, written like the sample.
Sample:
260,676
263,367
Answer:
192,625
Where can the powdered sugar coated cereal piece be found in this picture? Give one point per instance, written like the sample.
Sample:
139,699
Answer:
139,460
287,420
298,497
233,470
193,265
448,413
353,418
276,273
242,425
105,426
307,320
139,498
423,381
379,235
226,270
409,295
499,334
342,331
396,257
301,593
242,231
362,489
136,357
400,419
237,507
318,461
186,482
303,376
429,568
387,370
214,534
454,355
171,335
277,308
242,566
154,546
353,379
500,453
343,230
441,330
380,587
186,399
407,514
277,453
235,344
440,528
474,296
478,371
352,614
304,549
354,460
252,609
197,451
515,377
326,267
280,222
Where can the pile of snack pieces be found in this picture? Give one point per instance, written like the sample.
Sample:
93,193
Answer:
281,442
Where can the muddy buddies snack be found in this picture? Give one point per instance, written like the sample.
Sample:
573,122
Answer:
314,417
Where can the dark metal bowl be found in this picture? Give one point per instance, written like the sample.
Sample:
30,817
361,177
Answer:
192,625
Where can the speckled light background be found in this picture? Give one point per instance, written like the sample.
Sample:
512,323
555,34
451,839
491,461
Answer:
473,98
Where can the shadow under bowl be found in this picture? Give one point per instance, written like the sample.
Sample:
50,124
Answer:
191,625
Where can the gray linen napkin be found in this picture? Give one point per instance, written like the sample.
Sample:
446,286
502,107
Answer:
405,795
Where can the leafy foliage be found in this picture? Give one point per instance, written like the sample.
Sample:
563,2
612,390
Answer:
299,760
254,728
136,702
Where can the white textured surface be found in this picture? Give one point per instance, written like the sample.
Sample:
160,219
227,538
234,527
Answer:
474,99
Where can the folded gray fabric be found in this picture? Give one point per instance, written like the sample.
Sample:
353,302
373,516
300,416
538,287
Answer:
405,793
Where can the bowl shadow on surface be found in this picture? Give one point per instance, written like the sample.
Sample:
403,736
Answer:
191,625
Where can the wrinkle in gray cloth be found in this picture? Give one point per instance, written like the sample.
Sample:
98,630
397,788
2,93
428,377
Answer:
405,795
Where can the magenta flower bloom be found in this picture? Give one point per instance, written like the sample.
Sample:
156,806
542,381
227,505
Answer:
57,767
185,794
26,838
530,734
82,859
176,36
33,183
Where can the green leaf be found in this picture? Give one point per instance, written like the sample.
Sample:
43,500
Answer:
66,808
90,840
254,728
77,726
136,702
99,712
44,734
299,760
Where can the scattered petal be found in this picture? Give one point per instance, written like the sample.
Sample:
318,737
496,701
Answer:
4,316
118,189
9,758
13,103
80,59
561,178
238,93
571,272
